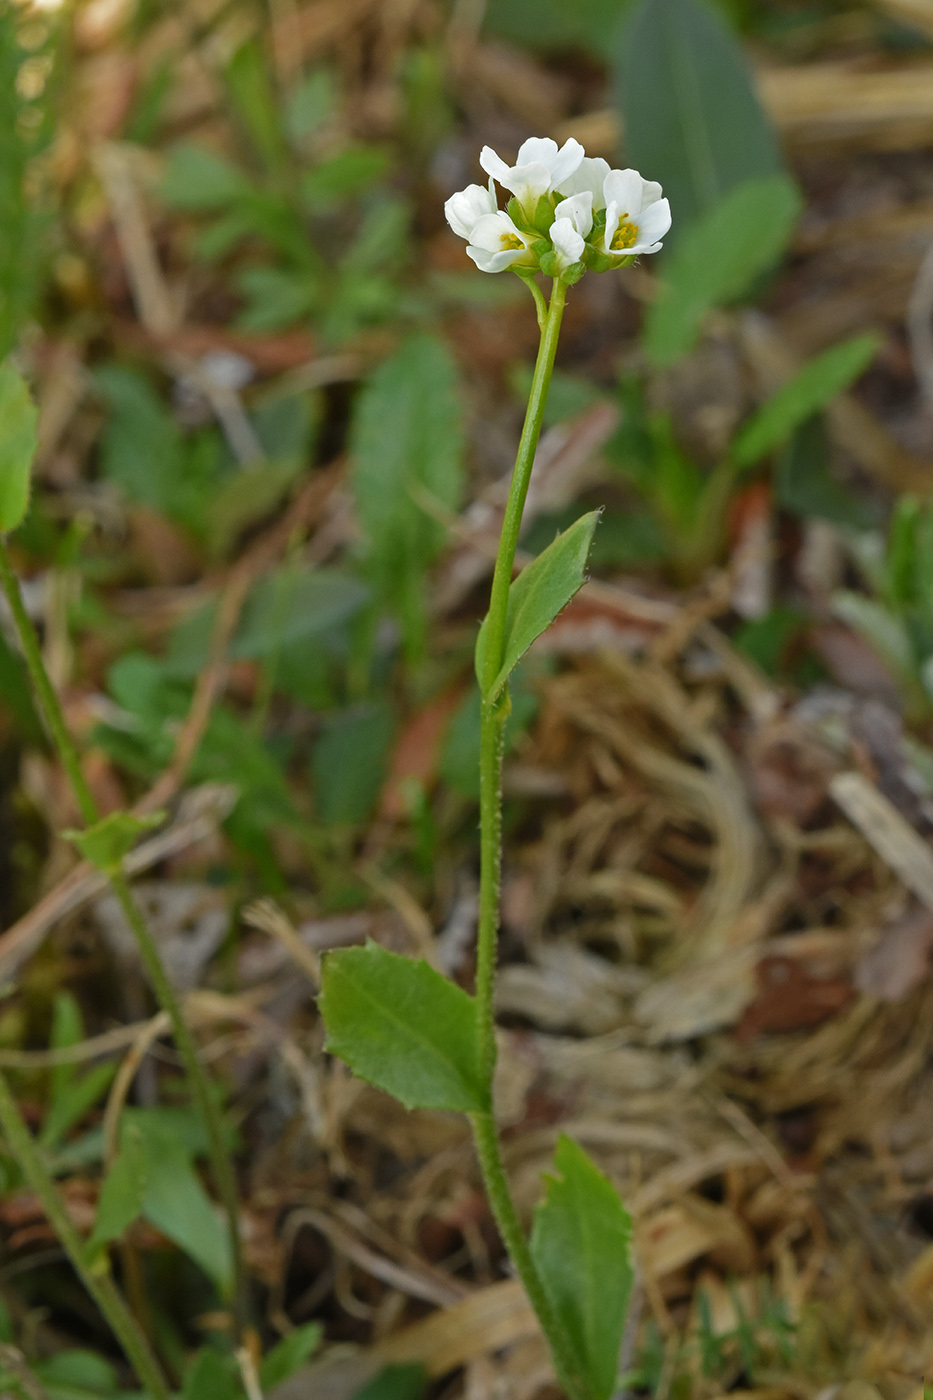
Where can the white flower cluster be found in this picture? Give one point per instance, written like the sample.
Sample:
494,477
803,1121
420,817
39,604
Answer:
568,211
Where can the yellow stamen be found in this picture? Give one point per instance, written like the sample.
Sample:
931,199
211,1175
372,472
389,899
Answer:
624,236
510,240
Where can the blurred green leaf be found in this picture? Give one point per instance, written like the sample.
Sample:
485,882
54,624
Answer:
288,1355
805,485
403,1027
554,24
692,118
16,693
17,446
78,1375
71,1095
107,842
275,298
813,386
350,172
348,762
542,589
717,259
880,627
294,605
198,180
176,1203
246,497
581,1243
309,105
124,1189
211,1376
395,1383
407,446
765,639
250,88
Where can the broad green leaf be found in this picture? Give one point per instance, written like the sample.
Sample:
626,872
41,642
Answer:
407,446
395,1383
289,1354
17,447
692,118
348,762
78,1373
124,1189
811,388
717,259
581,1243
107,842
539,593
176,1203
197,179
403,1027
211,1376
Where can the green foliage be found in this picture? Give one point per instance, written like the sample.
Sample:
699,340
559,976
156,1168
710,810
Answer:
581,1244
16,694
553,24
716,260
403,1027
79,1375
348,762
765,639
107,842
17,447
539,593
692,118
813,386
395,1383
71,1094
407,445
124,1190
288,1355
210,1376
804,484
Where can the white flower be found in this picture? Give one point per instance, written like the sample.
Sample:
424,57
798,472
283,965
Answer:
579,210
589,177
539,169
464,209
495,244
567,242
637,218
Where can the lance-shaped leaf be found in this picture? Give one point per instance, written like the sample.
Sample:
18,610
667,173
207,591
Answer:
403,1027
17,447
106,842
124,1190
811,388
538,595
581,1243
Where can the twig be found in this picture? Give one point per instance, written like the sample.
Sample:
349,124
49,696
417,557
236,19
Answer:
920,327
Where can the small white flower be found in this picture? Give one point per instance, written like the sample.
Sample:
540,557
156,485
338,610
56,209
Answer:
567,242
464,209
579,210
637,218
539,169
495,244
589,177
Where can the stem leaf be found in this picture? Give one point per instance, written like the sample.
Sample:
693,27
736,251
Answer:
403,1027
106,842
581,1245
124,1189
17,447
538,595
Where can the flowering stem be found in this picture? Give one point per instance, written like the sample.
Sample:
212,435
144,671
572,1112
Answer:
97,1280
221,1167
494,714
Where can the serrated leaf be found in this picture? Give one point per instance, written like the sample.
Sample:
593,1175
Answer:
124,1189
403,1027
692,118
717,259
289,1354
539,593
17,447
810,389
581,1244
107,842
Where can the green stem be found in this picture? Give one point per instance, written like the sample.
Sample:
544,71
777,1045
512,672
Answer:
492,726
221,1168
101,1286
513,1236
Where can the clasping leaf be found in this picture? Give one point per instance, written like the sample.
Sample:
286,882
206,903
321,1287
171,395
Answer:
538,595
581,1243
403,1027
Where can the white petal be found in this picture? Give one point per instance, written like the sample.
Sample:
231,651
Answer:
579,210
624,188
464,208
495,262
537,150
493,164
654,222
566,161
588,176
612,223
651,193
528,183
567,243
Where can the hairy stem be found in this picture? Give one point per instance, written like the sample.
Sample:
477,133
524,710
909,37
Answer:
494,714
221,1167
100,1285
